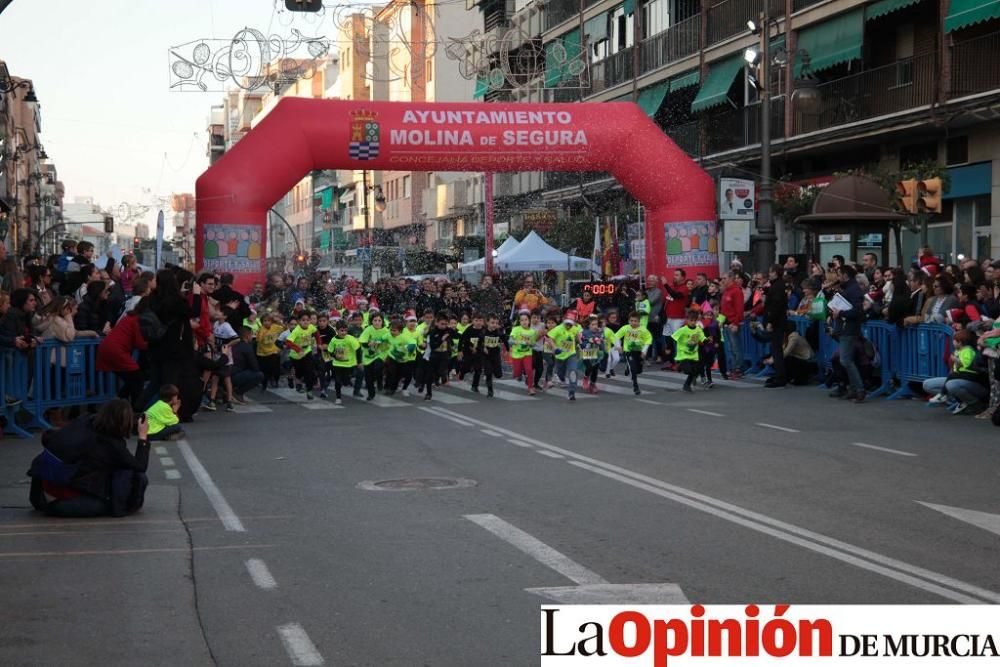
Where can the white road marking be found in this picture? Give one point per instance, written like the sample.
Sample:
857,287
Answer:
537,549
380,401
551,455
173,473
449,399
788,537
260,574
559,392
918,577
298,646
883,449
649,402
527,445
226,514
292,396
779,428
251,409
166,462
984,520
159,451
623,391
497,393
457,420
494,434
706,412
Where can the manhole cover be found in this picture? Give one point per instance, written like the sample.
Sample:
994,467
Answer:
417,484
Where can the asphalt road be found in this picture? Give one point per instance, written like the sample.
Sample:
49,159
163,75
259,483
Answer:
262,544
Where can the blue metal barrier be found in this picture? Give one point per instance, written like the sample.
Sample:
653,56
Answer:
923,353
885,338
14,385
66,374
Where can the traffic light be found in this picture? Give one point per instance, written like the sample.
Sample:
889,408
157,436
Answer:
930,195
908,194
109,224
300,260
135,243
303,5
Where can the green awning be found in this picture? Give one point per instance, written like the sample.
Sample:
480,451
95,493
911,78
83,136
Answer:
482,85
596,28
629,7
327,201
832,42
964,13
557,68
885,7
324,240
651,98
683,81
715,90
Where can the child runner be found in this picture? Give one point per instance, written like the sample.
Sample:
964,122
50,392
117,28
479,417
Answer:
300,347
566,338
268,354
591,352
687,339
354,327
472,351
538,349
343,350
643,307
548,352
634,340
400,342
414,348
374,351
492,356
293,321
324,334
438,354
522,342
710,346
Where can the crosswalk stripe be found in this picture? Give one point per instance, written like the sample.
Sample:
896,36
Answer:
498,393
293,396
380,401
643,382
450,399
558,392
250,408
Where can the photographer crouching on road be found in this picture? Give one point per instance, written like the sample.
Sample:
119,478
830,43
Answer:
86,468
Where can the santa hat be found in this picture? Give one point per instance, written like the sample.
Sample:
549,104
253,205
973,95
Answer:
410,318
931,270
570,317
362,300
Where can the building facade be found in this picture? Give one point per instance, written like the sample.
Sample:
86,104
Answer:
881,87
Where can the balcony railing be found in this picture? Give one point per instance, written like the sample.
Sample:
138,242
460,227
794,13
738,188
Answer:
557,11
798,5
687,136
905,84
676,42
612,71
737,128
555,180
974,66
729,17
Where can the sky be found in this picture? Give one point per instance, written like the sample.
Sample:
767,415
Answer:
110,123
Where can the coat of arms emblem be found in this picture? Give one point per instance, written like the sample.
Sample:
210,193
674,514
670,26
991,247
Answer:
364,135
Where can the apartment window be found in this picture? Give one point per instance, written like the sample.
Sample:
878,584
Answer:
956,150
656,17
914,154
406,186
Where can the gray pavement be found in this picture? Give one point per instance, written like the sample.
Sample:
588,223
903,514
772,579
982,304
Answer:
730,495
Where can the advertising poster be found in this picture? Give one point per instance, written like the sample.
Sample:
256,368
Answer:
736,199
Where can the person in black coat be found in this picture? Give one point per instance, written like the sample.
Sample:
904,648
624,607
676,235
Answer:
87,469
92,315
775,316
15,326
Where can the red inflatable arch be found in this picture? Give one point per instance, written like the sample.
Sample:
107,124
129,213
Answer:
300,135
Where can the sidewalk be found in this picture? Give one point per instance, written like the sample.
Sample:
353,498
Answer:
93,591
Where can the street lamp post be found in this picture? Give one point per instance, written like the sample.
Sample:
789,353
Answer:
765,247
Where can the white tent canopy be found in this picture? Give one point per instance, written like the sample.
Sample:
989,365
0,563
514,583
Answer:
534,254
479,265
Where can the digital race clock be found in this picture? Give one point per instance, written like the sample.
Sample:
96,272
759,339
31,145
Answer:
599,288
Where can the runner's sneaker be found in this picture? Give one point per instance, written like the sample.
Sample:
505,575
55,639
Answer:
291,383
322,393
938,399
338,402
959,408
301,389
229,407
309,396
239,398
210,406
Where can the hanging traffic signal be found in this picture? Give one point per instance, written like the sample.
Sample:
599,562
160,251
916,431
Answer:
929,200
303,5
908,194
135,243
109,224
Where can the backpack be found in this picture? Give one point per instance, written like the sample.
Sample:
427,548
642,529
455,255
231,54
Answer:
151,327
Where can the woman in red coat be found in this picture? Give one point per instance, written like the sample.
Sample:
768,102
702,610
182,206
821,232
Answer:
115,354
